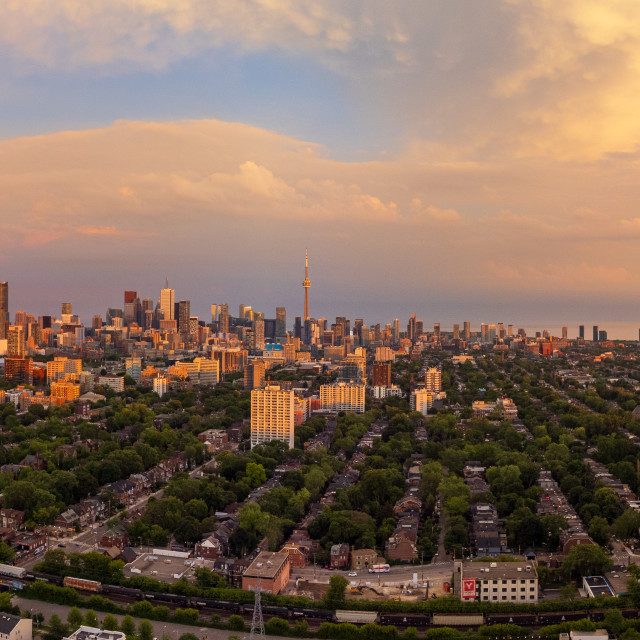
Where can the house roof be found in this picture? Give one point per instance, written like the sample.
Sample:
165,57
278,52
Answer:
8,623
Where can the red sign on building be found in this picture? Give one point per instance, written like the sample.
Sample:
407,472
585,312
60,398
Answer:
469,588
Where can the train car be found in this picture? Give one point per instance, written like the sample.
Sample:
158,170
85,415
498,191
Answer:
44,577
169,597
458,620
270,610
313,614
556,617
12,572
117,590
356,617
521,619
418,620
224,605
82,584
597,615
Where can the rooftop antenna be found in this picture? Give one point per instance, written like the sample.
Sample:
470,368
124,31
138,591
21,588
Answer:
166,283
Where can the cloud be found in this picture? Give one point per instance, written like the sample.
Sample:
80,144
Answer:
201,196
111,231
501,79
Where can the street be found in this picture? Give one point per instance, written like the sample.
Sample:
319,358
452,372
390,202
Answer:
160,629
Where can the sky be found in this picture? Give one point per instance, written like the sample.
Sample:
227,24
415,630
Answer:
457,159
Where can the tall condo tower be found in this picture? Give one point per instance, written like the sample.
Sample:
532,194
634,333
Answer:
306,284
167,301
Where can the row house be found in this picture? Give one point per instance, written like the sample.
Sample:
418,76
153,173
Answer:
11,519
214,440
210,548
553,501
401,545
34,461
300,548
89,510
339,556
488,536
602,476
65,522
116,537
127,491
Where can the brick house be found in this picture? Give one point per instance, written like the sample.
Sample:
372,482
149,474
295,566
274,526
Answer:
362,559
297,554
340,554
11,519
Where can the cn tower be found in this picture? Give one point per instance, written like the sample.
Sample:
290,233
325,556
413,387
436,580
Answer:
306,284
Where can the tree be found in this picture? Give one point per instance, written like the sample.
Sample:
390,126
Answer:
335,596
255,475
599,530
627,525
614,621
145,630
235,623
110,623
57,629
585,560
90,618
74,618
277,627
128,626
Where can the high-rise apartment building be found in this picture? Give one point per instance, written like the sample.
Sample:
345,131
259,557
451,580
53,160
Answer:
281,322
381,374
467,330
254,374
436,331
421,400
60,366
456,332
565,333
223,318
581,332
15,342
130,296
66,309
595,333
167,301
4,309
258,334
272,415
433,379
184,313
342,396
214,313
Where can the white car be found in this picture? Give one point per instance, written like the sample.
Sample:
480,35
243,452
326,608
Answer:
353,574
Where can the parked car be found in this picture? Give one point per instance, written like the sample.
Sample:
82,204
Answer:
352,574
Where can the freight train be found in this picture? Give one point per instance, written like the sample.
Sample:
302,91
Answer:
419,620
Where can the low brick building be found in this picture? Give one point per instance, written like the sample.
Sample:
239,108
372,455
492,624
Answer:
271,569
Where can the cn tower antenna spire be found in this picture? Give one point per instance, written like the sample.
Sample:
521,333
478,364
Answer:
306,284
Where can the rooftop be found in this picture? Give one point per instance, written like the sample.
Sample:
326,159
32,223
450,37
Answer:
93,633
266,565
499,570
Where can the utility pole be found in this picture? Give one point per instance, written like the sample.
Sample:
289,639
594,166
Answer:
257,622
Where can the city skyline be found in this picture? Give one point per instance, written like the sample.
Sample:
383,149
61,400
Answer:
616,330
440,157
